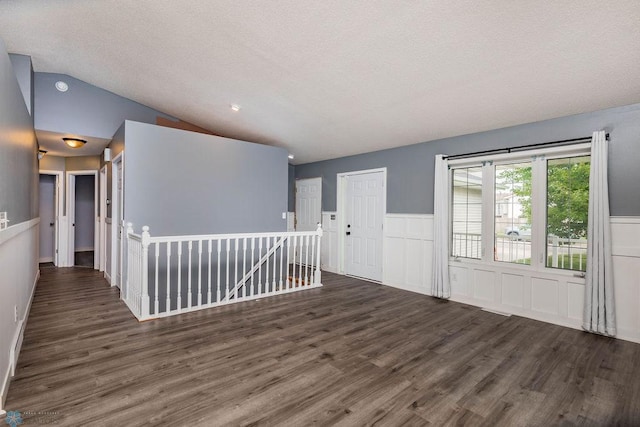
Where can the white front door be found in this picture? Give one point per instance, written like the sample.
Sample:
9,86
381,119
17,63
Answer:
363,225
308,209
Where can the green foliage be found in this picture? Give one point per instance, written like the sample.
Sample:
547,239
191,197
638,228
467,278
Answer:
518,180
568,198
567,194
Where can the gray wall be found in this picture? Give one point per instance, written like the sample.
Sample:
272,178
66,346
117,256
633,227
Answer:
52,163
19,188
64,164
179,182
410,169
19,179
82,163
84,109
85,213
24,73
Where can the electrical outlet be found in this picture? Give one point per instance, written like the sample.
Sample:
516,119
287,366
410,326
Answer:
284,215
15,313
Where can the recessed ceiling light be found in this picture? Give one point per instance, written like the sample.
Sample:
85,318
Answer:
62,86
290,156
235,107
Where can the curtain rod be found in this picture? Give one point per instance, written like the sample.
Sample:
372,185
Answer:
521,147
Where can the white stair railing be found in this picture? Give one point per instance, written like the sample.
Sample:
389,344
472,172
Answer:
168,275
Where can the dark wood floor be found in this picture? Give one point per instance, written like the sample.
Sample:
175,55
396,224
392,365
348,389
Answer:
350,353
83,259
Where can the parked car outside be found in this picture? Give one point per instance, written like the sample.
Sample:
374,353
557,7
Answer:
522,232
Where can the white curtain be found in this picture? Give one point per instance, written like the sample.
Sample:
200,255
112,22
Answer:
599,314
440,286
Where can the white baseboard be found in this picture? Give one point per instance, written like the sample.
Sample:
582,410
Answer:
107,277
47,259
4,390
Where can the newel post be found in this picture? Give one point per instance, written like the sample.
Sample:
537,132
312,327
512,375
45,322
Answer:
317,279
144,303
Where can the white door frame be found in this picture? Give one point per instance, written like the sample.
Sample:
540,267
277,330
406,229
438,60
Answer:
58,256
341,211
71,206
116,250
102,218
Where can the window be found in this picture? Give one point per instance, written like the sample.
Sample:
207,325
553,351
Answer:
512,228
567,212
467,212
539,204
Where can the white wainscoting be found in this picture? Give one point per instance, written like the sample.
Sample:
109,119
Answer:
625,239
291,221
329,249
554,297
18,276
407,252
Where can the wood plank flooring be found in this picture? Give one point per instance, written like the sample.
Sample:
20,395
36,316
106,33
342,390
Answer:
350,353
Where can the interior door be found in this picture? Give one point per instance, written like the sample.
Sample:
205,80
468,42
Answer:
47,218
308,208
364,216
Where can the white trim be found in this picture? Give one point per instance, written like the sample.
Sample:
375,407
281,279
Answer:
46,259
27,265
624,219
329,250
16,345
409,242
102,255
115,227
14,230
341,193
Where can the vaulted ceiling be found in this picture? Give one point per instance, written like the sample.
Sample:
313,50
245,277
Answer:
330,78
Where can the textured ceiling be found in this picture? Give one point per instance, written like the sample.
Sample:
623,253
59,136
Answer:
331,78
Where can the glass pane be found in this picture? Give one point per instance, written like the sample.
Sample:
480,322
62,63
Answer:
567,212
467,213
513,213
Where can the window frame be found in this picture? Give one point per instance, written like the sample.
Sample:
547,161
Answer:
538,158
